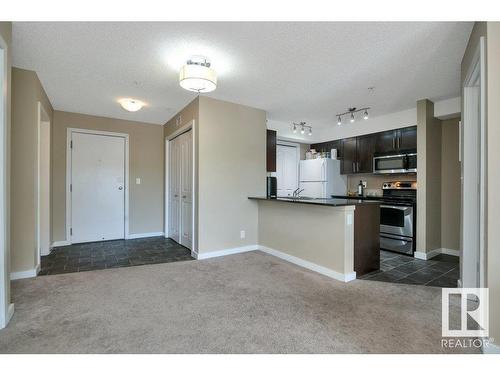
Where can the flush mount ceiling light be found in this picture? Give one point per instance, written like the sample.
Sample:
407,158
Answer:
197,75
352,111
303,127
131,105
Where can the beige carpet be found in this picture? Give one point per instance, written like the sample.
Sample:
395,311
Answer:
244,303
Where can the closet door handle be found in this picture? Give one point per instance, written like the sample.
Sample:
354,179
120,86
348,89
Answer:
184,197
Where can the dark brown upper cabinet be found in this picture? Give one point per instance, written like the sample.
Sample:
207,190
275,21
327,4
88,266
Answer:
403,139
271,151
358,154
349,157
365,152
408,138
327,147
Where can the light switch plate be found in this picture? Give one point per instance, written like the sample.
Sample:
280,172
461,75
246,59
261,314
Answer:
364,184
137,181
242,234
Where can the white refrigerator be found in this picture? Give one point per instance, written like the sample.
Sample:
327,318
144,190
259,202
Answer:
321,178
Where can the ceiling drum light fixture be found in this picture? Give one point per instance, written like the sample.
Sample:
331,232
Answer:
303,127
131,105
352,111
197,75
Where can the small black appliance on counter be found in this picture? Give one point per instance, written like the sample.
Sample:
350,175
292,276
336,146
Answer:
272,187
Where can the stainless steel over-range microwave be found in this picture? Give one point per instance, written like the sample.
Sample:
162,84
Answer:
395,163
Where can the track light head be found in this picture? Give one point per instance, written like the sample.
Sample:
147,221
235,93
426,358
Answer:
365,115
352,117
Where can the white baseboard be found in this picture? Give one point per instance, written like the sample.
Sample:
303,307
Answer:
25,274
432,253
309,265
490,348
221,253
60,243
453,252
10,313
144,235
194,254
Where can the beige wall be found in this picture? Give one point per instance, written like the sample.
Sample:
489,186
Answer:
450,185
232,167
297,229
27,92
6,34
146,149
493,198
429,178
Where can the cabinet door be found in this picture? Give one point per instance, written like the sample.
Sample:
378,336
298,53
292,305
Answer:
271,151
385,142
407,138
348,155
365,151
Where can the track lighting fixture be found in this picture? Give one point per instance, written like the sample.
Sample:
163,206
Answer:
351,112
303,127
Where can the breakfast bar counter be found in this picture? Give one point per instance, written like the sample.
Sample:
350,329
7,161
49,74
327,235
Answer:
335,237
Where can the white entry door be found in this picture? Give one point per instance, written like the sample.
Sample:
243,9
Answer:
97,187
286,170
180,218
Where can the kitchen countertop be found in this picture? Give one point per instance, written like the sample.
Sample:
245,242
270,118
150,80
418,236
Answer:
333,202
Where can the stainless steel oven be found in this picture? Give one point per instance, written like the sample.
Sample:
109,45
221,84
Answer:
396,228
395,163
397,216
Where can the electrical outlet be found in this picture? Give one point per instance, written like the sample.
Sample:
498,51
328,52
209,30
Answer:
364,184
137,181
242,234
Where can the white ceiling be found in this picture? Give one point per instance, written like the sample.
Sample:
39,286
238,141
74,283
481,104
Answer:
294,71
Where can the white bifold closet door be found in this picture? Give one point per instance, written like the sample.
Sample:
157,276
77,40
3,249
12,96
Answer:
181,189
97,187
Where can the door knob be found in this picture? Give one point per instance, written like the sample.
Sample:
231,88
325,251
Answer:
120,188
184,197
175,196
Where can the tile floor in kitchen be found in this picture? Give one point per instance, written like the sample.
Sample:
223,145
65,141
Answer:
441,271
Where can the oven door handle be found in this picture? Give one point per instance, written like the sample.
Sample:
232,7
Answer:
406,210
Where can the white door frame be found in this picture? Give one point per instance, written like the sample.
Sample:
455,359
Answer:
69,133
42,113
475,76
6,308
191,125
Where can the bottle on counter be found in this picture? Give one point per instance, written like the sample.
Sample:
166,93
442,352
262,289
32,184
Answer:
361,188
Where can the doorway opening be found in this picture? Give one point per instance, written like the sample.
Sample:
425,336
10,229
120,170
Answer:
473,173
43,184
180,186
6,308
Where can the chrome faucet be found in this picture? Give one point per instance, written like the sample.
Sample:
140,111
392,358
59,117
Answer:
296,192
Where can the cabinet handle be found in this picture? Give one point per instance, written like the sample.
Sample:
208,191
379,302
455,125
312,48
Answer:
393,142
184,197
353,167
357,166
399,142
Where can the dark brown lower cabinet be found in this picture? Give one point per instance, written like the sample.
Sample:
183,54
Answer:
366,238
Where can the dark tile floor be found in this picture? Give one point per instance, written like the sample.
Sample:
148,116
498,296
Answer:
112,254
441,271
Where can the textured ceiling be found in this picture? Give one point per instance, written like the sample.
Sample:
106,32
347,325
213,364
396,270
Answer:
294,71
